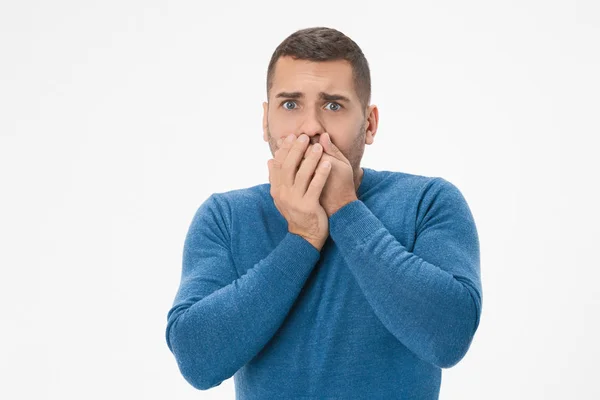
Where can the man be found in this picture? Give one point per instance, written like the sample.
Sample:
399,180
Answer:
331,281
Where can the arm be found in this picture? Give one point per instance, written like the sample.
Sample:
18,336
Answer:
219,321
429,299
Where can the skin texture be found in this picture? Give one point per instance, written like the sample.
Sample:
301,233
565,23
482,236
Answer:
296,186
341,129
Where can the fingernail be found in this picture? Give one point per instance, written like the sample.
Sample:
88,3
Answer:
303,138
290,138
279,142
316,147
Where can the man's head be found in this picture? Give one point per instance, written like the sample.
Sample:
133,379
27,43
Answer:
318,80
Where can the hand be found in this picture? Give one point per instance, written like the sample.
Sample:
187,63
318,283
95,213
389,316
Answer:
340,188
296,191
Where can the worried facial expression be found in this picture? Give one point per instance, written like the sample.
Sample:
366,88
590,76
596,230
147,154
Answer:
316,97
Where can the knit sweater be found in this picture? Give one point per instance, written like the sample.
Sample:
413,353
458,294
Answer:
393,296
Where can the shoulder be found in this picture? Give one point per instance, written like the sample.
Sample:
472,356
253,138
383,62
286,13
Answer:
240,200
244,196
410,185
439,200
442,192
423,185
219,210
421,193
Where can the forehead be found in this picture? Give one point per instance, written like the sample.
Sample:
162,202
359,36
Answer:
313,76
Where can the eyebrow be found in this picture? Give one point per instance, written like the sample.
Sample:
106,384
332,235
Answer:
322,96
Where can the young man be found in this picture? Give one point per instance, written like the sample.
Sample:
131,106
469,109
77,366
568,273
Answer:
332,280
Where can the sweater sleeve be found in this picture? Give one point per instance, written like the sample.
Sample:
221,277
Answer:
430,299
219,321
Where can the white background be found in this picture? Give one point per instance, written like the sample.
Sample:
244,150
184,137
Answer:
119,118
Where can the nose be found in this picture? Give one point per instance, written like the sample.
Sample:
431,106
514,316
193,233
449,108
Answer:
312,126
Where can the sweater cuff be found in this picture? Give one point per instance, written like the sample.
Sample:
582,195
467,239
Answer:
295,257
353,224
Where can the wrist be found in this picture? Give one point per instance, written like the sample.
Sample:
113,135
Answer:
317,244
333,210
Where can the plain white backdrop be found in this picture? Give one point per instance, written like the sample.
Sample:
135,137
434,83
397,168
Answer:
119,118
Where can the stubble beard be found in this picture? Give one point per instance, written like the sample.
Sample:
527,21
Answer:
354,156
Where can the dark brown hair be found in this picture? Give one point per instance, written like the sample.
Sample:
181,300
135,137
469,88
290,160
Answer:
325,44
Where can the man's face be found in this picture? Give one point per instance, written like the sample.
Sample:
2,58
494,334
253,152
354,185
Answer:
305,99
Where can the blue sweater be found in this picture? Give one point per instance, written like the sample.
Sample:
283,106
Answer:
394,295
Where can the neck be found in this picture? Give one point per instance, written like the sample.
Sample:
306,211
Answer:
358,176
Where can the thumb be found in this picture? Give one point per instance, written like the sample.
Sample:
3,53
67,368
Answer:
331,148
328,145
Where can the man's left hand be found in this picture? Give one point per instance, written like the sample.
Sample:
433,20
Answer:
339,189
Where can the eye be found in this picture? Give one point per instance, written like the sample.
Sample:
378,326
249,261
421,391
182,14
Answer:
286,102
337,108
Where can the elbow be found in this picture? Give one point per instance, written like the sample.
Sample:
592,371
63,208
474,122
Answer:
448,354
451,346
194,368
199,379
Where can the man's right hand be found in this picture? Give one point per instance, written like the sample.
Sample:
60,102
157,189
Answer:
296,186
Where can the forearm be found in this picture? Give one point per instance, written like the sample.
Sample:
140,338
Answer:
432,311
213,337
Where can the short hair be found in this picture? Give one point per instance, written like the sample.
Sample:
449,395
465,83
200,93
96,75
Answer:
325,44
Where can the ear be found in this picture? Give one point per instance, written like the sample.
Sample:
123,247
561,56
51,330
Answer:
372,122
264,123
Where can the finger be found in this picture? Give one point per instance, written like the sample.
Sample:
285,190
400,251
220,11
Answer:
307,168
292,161
274,167
284,147
308,150
331,149
318,181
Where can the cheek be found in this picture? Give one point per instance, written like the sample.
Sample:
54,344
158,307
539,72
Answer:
280,119
342,143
